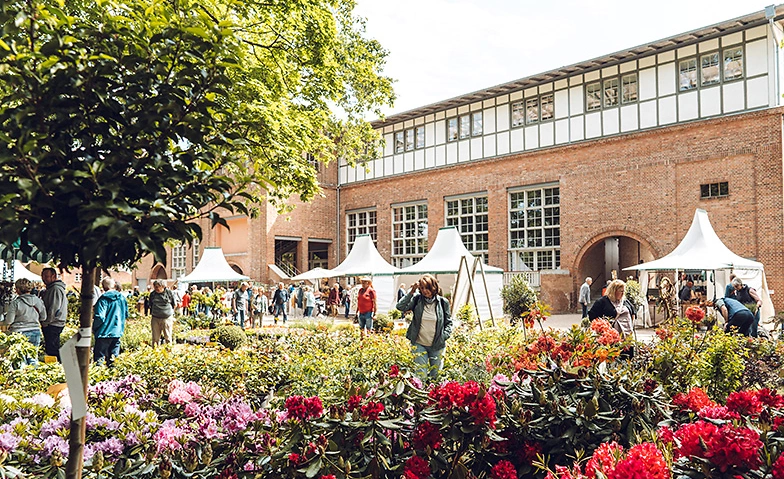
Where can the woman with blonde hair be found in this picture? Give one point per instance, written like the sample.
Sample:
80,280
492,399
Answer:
431,324
25,314
616,308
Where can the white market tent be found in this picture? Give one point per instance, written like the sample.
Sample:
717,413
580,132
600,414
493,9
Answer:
19,272
212,268
452,264
702,250
313,275
365,260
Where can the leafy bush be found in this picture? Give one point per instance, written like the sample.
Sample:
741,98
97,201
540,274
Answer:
634,293
518,298
395,314
15,349
467,315
382,323
722,364
229,336
138,333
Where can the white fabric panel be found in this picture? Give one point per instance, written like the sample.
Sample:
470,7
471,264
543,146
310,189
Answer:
733,97
502,116
408,162
561,104
576,100
546,134
476,148
489,146
430,157
212,267
430,134
386,293
488,117
757,58
531,137
20,272
451,153
389,144
464,152
629,118
710,101
667,110
576,130
667,79
398,166
647,79
441,155
610,121
593,125
440,132
562,131
419,159
502,141
517,139
389,166
688,106
757,92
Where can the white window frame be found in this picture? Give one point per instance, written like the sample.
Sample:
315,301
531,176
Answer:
179,255
465,213
196,252
532,224
409,233
359,222
626,95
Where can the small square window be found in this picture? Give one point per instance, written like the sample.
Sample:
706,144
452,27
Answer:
518,114
710,69
546,102
451,131
611,92
532,110
593,96
465,126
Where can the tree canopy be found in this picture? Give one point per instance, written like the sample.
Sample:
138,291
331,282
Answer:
123,121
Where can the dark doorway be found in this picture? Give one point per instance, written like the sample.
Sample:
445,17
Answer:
286,256
318,255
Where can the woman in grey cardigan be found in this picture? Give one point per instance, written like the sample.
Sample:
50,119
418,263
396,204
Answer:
431,325
25,315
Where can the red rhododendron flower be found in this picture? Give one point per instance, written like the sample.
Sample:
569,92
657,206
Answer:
665,435
664,334
528,452
695,314
770,398
643,461
717,412
299,407
778,468
600,325
425,435
694,400
416,468
394,371
745,403
692,436
372,410
483,410
736,447
295,458
353,403
603,460
314,406
503,470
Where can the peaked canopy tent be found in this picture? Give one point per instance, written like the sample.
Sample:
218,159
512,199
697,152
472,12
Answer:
17,271
365,260
212,268
460,272
702,250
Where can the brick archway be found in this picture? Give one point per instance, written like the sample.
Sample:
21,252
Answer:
158,272
579,266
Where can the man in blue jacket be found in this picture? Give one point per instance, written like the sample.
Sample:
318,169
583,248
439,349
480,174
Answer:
109,317
735,314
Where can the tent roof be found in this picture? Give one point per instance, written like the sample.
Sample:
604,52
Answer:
315,273
445,255
700,249
212,267
363,260
21,272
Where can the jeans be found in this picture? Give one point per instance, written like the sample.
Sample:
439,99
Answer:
428,361
585,310
281,308
366,320
106,349
239,317
754,332
52,340
308,311
742,320
348,306
35,339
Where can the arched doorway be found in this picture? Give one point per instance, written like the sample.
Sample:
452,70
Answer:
608,251
158,272
237,269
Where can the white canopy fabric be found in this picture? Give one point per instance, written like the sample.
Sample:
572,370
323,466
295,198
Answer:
444,261
19,272
315,273
212,267
365,260
702,250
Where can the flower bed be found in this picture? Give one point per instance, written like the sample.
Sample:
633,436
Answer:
319,404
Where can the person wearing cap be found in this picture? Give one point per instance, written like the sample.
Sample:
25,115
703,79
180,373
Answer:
735,314
366,305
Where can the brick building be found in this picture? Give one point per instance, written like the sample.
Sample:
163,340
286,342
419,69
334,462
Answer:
565,174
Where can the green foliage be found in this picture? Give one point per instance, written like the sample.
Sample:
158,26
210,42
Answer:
518,298
722,364
138,334
395,314
465,353
14,350
634,294
232,337
382,323
467,315
30,380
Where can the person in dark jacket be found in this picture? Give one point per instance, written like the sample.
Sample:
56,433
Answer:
109,316
56,302
749,297
615,307
735,314
431,324
25,315
279,299
162,304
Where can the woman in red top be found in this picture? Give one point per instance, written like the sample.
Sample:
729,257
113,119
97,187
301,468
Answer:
366,305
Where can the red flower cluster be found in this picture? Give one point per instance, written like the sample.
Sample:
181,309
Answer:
694,400
353,403
643,461
664,334
426,434
609,338
372,410
745,403
295,458
725,447
604,459
302,408
695,314
600,326
328,476
503,470
778,468
453,395
416,468
528,452
717,412
394,371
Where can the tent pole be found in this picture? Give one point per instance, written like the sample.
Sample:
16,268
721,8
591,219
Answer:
487,291
471,289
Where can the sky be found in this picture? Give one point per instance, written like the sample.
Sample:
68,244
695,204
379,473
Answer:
439,49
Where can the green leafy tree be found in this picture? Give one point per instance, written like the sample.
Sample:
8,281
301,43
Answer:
123,122
518,298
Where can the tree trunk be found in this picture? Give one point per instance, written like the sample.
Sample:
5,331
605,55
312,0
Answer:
73,468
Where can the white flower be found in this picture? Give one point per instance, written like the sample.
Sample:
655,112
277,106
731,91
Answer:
40,399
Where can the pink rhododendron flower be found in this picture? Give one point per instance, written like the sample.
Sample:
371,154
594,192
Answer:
503,470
